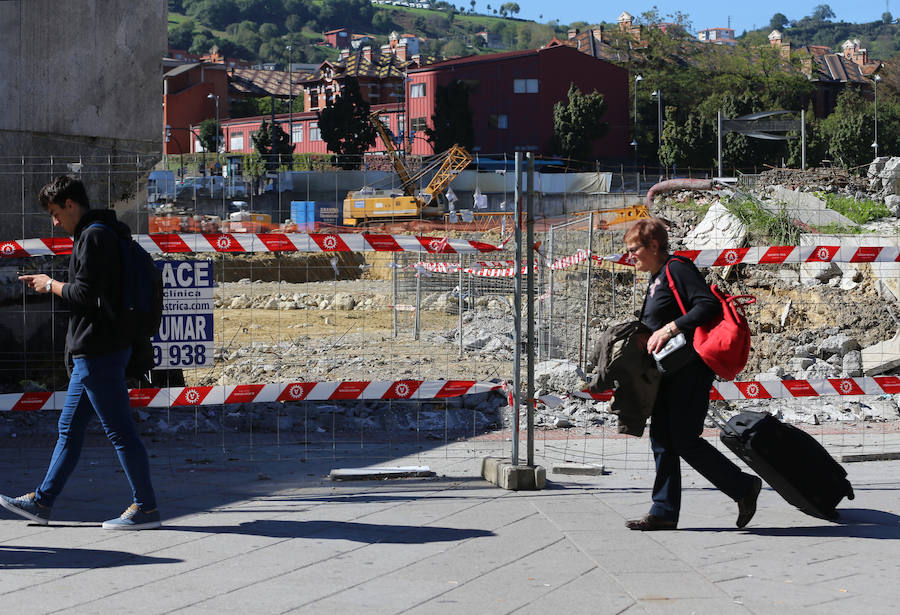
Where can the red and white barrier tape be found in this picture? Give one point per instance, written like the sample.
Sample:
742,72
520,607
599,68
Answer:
168,243
485,272
436,389
766,255
255,393
788,389
570,261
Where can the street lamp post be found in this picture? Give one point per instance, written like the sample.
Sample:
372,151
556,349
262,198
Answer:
216,98
659,124
291,103
634,142
875,81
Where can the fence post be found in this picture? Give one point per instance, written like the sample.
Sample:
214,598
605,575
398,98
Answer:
529,344
461,306
396,281
582,359
548,354
418,299
517,313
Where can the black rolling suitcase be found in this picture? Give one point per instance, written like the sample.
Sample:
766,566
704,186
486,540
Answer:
790,460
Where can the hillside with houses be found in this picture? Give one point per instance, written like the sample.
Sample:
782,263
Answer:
667,81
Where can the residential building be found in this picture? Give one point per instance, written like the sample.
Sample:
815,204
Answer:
339,39
592,42
831,72
718,36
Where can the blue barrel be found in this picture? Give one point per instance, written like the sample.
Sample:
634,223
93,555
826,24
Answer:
300,213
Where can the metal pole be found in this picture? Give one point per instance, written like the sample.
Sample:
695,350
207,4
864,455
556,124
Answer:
529,344
418,300
719,125
461,306
290,106
803,139
587,296
549,354
875,142
396,280
517,312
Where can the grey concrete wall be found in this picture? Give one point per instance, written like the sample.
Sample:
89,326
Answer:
81,83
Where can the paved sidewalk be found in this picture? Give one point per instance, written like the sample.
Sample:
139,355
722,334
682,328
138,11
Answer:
265,535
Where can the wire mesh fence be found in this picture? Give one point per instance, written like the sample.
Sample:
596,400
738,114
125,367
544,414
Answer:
346,319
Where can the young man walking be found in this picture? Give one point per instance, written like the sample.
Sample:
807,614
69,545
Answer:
98,348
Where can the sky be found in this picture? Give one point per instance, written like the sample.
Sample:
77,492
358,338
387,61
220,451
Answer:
702,13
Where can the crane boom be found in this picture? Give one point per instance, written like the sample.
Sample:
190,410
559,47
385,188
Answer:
455,160
409,188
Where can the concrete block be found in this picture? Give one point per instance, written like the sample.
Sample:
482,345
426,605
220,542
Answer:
579,469
501,472
881,357
380,473
806,207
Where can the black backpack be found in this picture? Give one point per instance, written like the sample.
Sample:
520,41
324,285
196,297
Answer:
142,289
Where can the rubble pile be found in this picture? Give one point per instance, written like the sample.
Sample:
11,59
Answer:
817,179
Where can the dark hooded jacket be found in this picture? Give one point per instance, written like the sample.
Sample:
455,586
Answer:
93,293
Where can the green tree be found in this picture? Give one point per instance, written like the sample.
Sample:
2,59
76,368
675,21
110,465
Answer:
849,131
578,123
452,118
453,48
822,12
209,138
887,18
216,14
268,31
273,145
181,36
509,8
382,22
685,143
778,21
816,144
345,125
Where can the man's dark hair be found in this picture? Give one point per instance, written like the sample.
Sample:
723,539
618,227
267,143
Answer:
62,188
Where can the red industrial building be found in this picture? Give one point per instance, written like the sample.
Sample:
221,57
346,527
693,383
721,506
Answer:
512,95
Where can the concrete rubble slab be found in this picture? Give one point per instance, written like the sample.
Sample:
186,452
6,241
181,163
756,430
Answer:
881,357
805,207
380,473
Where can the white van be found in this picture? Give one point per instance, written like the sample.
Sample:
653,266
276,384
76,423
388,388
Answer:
160,186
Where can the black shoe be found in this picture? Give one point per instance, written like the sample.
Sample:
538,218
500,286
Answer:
747,504
651,523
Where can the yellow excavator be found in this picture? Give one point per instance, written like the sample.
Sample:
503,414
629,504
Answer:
370,204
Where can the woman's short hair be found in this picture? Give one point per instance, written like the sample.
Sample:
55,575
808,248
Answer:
647,230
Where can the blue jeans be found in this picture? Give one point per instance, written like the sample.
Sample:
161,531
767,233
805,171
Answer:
97,386
675,434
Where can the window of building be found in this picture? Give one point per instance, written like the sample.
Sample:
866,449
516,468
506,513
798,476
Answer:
236,142
417,90
418,124
525,86
297,133
498,120
313,99
314,134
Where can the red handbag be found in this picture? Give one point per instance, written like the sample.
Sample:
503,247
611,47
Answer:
724,342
